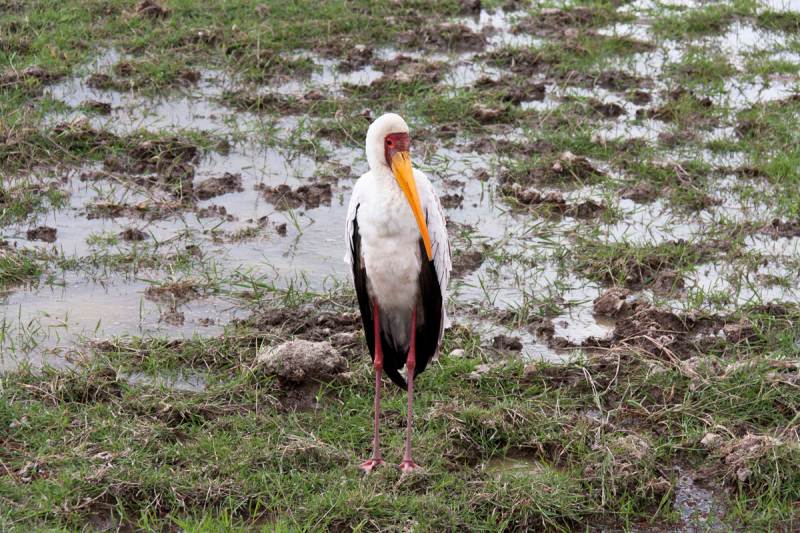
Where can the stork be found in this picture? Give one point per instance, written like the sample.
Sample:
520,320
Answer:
399,252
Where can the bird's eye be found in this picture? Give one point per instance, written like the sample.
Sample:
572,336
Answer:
389,143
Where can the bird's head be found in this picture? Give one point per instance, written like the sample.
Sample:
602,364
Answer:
389,147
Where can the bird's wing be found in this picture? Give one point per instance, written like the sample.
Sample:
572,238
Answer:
440,248
352,209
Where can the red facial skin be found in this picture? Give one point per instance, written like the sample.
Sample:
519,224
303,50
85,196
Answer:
395,142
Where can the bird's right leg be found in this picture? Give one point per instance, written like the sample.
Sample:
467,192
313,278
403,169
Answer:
378,364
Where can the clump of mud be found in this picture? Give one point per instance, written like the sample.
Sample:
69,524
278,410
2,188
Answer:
507,343
551,22
215,211
491,113
564,167
272,101
133,235
218,186
664,335
304,323
404,70
445,36
32,78
283,197
612,303
466,263
554,203
78,131
613,80
176,293
521,61
778,228
172,317
356,58
42,233
639,193
150,10
511,89
680,103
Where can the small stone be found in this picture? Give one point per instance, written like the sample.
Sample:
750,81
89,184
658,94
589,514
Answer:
711,441
457,353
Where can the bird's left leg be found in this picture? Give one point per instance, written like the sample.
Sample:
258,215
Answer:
376,460
408,463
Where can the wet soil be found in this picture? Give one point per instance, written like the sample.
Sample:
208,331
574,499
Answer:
310,196
42,233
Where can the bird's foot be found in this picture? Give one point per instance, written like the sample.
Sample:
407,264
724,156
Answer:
408,466
369,466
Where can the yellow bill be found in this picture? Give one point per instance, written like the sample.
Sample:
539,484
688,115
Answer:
401,166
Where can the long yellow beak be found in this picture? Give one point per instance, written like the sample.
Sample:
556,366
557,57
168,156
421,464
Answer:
401,166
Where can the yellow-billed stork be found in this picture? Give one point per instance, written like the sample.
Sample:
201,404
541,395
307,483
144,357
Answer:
399,251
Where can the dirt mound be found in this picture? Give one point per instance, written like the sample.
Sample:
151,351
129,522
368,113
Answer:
511,89
466,263
283,197
680,102
668,283
613,80
451,201
607,110
305,323
550,21
133,235
172,317
41,233
522,61
639,193
662,334
79,132
554,202
564,167
177,293
33,77
446,36
218,186
103,108
215,211
404,69
150,10
357,57
507,343
272,101
612,303
779,228
296,362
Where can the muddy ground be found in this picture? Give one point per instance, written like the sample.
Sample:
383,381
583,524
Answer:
179,343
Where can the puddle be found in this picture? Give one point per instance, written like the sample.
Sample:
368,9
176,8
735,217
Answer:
700,510
517,463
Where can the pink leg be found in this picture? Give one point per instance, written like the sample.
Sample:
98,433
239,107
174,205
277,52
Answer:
408,463
376,460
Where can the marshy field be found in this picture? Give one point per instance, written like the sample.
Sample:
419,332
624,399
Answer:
621,182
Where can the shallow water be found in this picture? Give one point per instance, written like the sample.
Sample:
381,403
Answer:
87,303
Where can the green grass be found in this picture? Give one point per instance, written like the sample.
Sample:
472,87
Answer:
146,452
